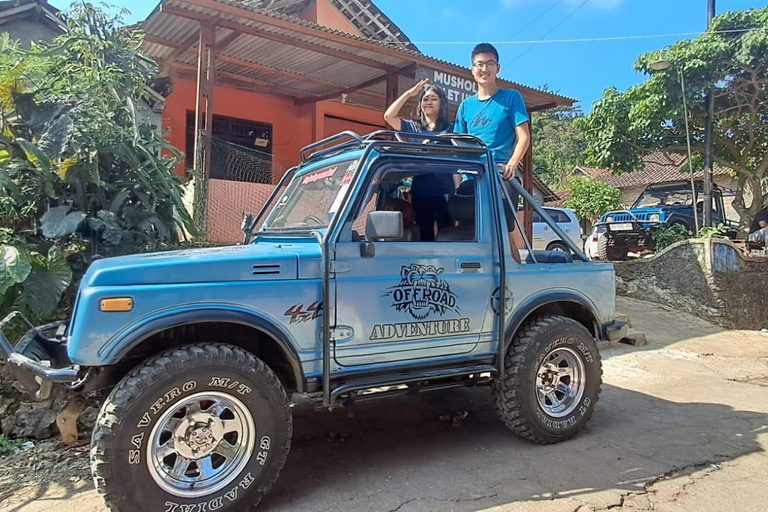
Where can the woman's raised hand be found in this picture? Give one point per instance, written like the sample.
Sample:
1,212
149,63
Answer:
416,89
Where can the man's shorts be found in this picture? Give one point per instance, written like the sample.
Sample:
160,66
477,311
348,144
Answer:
509,213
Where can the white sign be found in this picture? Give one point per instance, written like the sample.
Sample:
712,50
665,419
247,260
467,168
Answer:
457,88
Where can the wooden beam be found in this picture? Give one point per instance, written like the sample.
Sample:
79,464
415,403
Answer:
392,88
363,85
545,106
278,38
242,13
262,68
254,84
222,45
348,90
180,50
206,77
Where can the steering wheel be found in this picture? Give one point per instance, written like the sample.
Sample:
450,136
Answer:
314,219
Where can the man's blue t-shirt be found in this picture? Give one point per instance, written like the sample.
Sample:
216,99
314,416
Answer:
493,121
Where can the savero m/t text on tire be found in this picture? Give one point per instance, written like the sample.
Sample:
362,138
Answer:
552,380
202,427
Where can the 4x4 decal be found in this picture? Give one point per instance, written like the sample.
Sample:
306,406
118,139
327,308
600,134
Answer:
299,313
422,291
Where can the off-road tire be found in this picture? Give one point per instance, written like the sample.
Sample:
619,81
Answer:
607,253
516,397
127,426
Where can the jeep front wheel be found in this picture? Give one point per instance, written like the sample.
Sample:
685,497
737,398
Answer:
202,427
606,252
551,382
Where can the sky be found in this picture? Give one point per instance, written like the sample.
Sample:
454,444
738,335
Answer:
580,70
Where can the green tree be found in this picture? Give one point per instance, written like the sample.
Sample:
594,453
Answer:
81,174
590,199
558,144
732,59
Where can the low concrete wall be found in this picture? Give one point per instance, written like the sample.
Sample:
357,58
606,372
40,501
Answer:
710,278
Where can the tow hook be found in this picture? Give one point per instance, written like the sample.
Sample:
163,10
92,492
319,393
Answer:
67,419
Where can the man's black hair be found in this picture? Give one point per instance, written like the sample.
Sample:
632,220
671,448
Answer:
485,48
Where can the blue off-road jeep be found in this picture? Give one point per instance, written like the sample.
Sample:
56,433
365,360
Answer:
663,205
329,299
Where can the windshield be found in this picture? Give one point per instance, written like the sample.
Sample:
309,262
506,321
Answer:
311,200
666,196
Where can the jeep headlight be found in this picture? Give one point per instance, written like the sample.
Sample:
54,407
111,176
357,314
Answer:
609,219
654,217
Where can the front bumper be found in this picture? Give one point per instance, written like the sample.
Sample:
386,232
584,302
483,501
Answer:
615,331
39,360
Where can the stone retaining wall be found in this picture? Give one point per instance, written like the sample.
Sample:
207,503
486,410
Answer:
709,278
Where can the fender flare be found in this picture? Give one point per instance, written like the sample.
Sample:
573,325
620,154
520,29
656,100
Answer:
524,310
126,341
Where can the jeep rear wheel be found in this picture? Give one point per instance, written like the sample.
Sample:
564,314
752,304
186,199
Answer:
552,380
201,427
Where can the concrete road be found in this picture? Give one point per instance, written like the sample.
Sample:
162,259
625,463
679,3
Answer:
682,424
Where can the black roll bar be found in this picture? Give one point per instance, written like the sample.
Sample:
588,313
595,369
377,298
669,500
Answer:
348,134
544,215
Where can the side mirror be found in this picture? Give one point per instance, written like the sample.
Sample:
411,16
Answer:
383,225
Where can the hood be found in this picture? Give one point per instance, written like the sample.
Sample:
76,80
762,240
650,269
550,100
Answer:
255,262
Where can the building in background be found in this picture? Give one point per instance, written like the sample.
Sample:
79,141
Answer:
30,20
249,83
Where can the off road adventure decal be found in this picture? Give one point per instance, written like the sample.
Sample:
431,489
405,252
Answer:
422,291
383,332
298,313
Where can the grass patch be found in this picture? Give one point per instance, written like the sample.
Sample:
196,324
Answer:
7,445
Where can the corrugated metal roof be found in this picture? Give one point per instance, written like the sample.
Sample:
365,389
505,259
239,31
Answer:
307,51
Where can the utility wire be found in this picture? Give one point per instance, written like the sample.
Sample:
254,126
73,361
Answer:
596,39
578,7
534,20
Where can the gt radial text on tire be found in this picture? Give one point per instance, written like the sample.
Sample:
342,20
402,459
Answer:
200,428
552,380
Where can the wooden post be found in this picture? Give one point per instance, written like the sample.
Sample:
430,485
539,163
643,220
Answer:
528,185
392,89
206,71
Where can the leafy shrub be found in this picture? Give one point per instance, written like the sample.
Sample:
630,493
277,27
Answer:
664,237
590,199
718,231
81,173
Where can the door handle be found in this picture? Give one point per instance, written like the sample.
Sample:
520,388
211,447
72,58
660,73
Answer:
471,266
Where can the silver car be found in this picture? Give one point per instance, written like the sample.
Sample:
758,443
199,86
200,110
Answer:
544,238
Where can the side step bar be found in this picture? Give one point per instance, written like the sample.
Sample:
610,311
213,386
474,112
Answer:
353,386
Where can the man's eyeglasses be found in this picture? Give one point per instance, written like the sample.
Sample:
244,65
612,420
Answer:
487,64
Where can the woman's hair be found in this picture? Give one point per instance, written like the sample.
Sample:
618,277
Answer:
442,122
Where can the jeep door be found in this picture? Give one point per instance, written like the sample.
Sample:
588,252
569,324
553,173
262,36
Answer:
408,299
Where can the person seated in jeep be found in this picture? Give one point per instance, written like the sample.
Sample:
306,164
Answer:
411,232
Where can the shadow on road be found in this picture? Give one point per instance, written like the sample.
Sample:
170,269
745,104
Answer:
398,455
399,452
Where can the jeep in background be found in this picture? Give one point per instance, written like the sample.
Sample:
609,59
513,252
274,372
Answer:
662,205
202,350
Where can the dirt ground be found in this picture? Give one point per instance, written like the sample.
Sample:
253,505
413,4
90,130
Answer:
682,424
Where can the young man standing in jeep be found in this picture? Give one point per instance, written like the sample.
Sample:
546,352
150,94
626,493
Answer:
499,118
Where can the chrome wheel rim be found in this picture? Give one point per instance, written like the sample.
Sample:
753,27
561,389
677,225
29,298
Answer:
201,444
560,382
